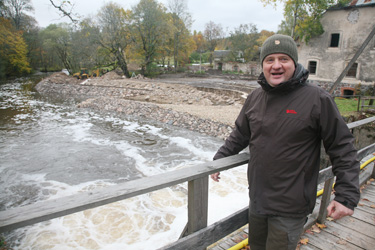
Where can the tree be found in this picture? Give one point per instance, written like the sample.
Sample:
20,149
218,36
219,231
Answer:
200,42
181,20
212,33
244,38
3,9
263,35
286,26
302,17
13,50
150,27
31,36
57,40
15,10
306,16
115,36
66,9
87,41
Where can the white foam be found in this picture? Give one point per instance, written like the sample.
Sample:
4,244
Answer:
144,222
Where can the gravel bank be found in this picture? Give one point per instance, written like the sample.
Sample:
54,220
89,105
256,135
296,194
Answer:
207,111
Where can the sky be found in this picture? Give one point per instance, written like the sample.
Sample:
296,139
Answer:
228,13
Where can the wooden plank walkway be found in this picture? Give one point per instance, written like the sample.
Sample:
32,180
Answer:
353,232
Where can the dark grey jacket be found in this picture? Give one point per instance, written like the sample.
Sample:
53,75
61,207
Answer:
284,127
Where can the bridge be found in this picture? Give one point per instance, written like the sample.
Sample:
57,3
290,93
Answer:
197,234
352,232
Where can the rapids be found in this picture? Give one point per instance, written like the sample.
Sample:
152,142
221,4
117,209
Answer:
50,149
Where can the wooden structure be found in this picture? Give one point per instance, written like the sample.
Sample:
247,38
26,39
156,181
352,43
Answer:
353,232
197,234
364,100
353,60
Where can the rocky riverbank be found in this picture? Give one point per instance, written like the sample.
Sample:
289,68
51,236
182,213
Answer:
204,110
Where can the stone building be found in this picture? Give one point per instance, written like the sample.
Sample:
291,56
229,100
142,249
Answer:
226,60
326,56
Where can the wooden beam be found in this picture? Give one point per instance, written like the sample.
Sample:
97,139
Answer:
362,153
326,174
361,122
326,199
197,204
211,234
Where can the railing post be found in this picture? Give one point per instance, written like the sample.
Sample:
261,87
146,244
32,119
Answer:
326,198
359,101
363,103
197,204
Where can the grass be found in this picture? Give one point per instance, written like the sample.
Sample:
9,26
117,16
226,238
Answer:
347,105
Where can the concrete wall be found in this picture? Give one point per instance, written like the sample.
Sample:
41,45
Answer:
353,25
251,68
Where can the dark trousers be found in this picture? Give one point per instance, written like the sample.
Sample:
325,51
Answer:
274,232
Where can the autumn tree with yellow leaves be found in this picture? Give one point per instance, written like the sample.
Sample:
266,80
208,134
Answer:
13,51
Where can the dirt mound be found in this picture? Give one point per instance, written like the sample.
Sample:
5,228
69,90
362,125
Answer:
61,78
112,75
139,77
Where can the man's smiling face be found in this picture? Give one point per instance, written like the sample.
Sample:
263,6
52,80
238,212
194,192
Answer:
278,68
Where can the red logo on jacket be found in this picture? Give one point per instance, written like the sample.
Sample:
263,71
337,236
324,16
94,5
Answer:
291,111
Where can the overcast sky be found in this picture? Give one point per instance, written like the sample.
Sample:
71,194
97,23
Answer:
229,13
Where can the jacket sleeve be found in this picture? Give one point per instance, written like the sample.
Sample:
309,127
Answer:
239,138
338,143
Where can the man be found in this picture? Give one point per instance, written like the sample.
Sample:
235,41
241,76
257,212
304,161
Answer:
283,123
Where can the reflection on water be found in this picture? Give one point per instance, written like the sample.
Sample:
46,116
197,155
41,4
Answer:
50,149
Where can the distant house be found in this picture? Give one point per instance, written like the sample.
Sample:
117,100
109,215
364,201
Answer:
326,56
227,60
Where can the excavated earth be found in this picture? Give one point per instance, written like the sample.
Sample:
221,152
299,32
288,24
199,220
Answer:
205,105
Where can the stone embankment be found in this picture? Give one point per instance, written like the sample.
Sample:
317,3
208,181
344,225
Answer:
206,112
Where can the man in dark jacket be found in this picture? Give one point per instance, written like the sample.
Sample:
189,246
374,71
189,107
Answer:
283,123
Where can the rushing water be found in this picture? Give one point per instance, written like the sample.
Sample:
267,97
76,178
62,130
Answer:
50,149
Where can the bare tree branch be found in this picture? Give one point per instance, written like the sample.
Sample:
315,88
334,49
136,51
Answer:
64,12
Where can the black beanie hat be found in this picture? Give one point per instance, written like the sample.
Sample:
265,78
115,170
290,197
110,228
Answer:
279,44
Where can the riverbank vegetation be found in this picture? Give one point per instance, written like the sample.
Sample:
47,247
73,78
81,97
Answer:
149,37
4,244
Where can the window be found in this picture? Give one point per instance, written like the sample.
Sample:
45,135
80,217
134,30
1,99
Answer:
348,92
353,70
312,67
335,39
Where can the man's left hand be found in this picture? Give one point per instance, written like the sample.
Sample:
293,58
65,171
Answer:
336,210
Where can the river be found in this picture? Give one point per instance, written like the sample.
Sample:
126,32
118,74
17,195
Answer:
50,149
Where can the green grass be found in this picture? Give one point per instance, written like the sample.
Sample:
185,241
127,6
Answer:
347,105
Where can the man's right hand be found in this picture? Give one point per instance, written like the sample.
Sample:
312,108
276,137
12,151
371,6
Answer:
336,210
216,176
